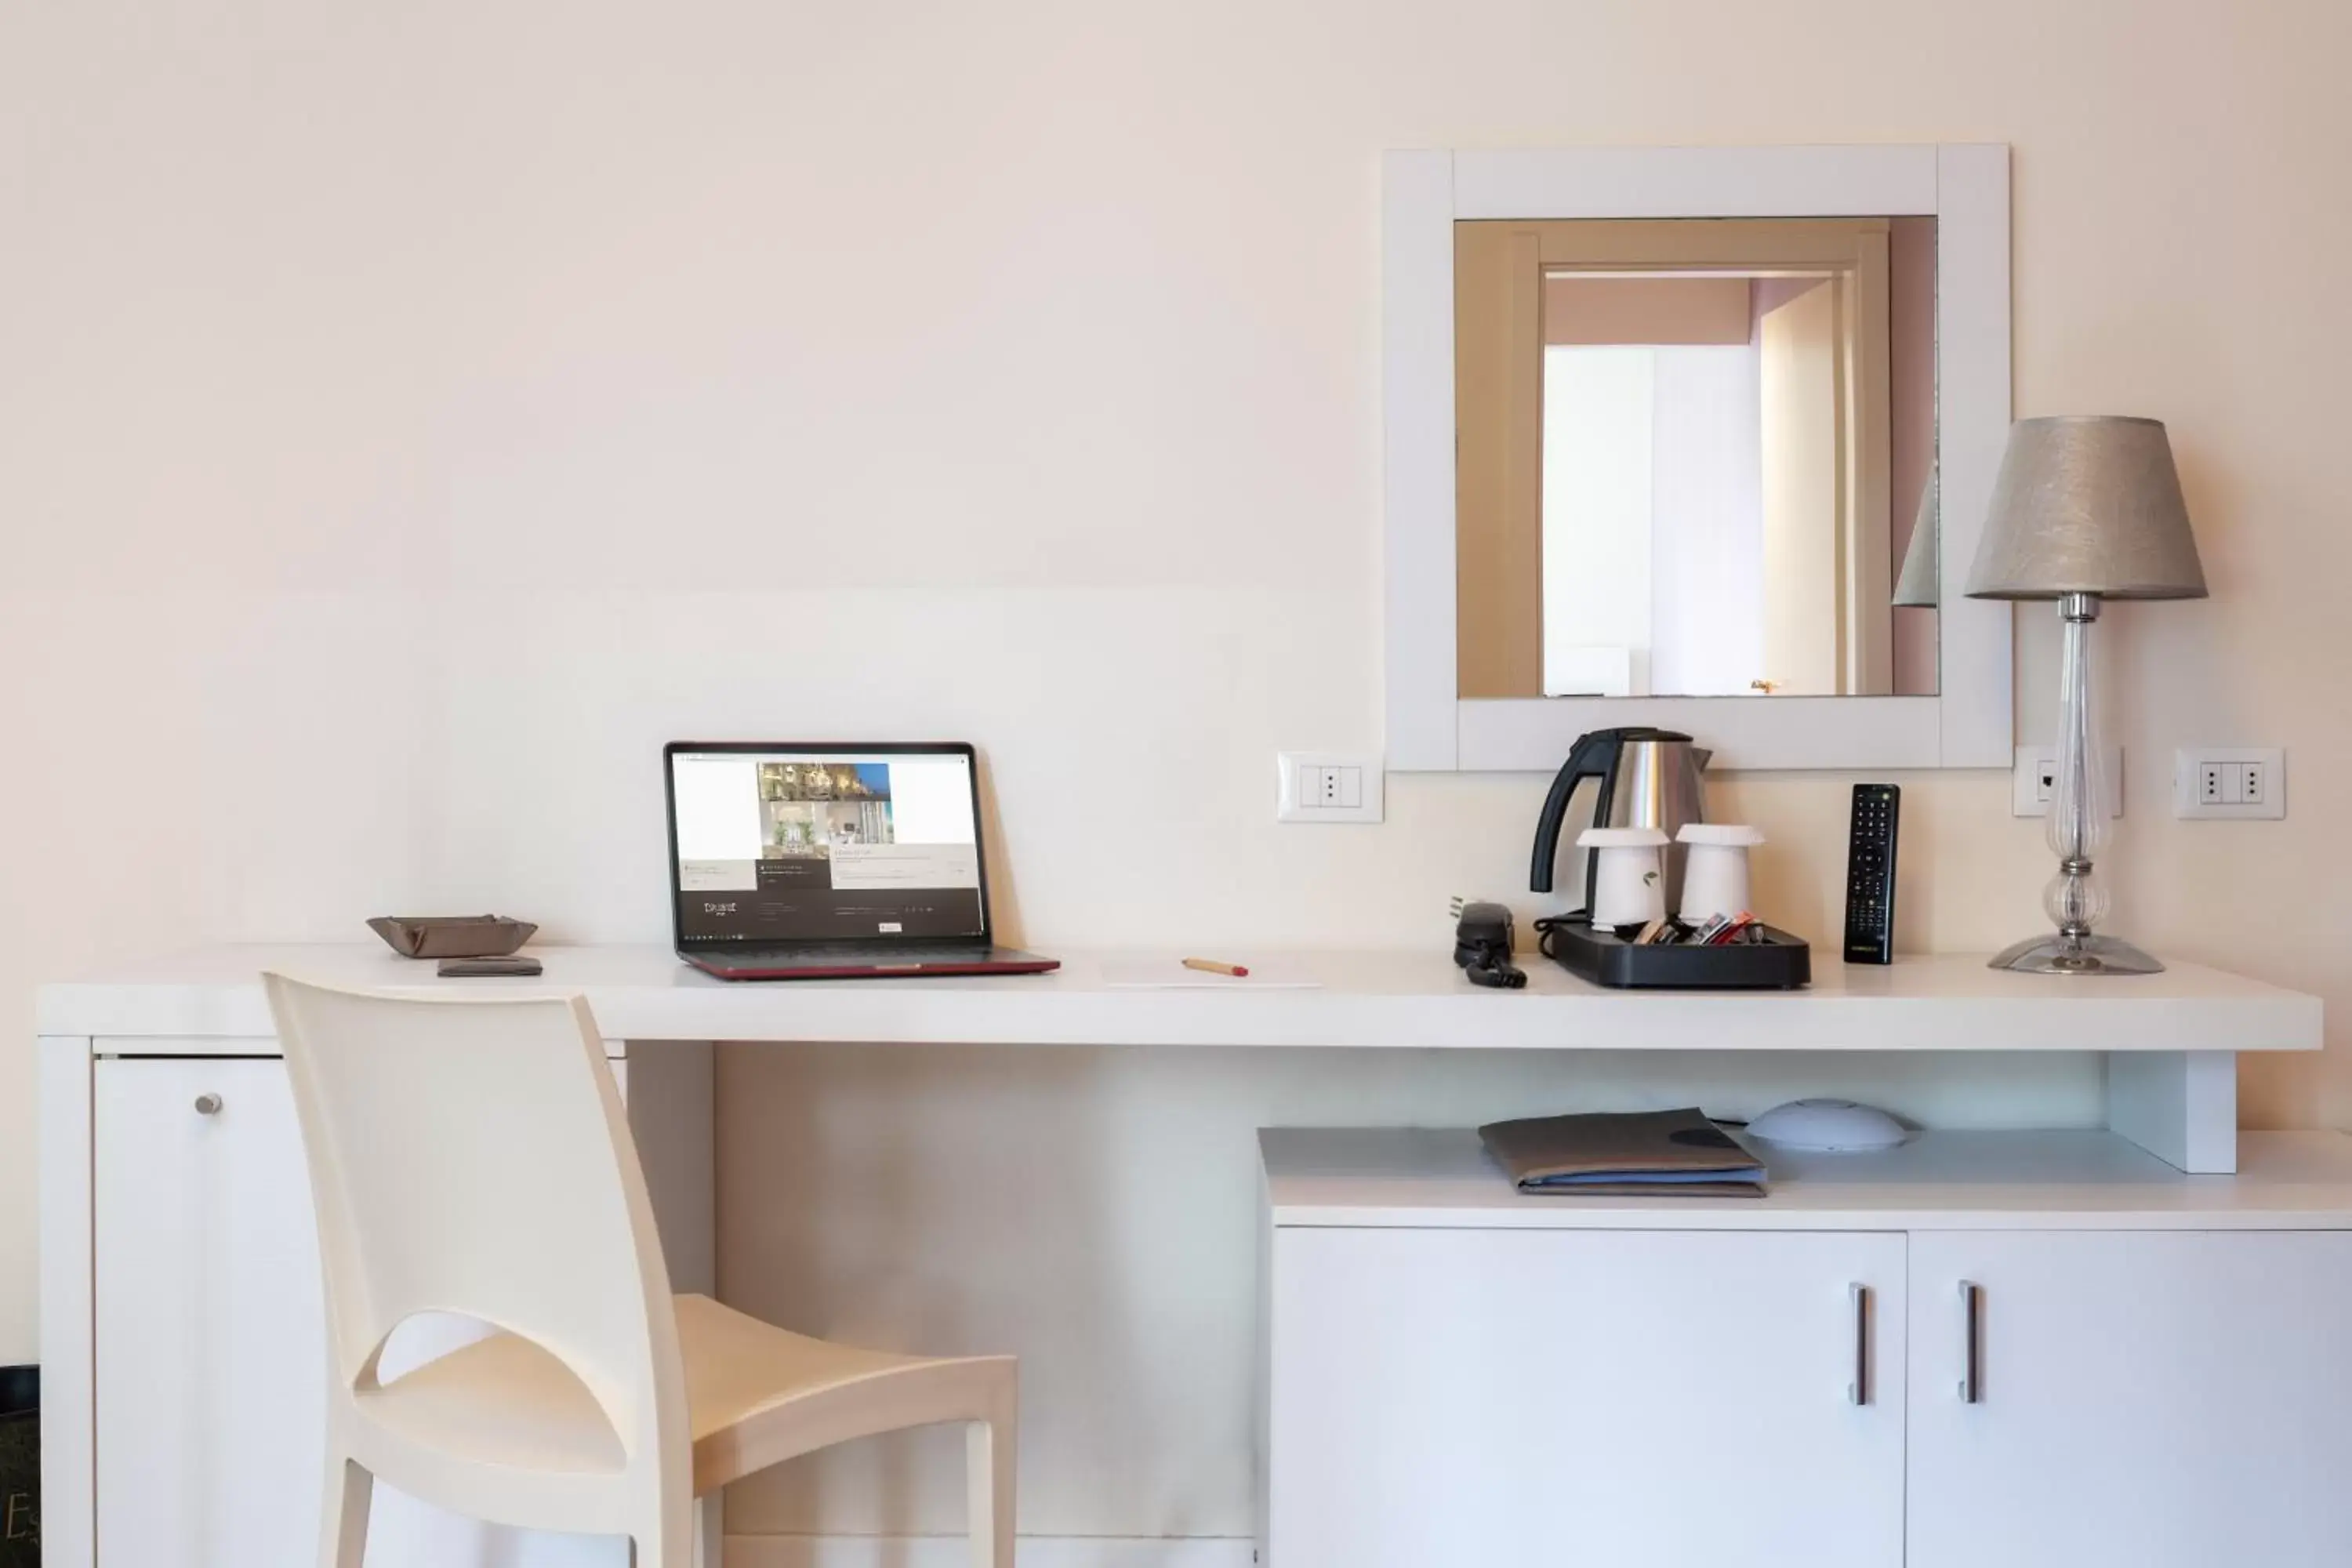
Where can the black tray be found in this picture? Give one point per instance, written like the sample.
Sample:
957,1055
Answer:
1778,962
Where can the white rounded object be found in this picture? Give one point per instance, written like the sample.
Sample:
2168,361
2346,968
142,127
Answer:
1737,833
1621,838
1829,1126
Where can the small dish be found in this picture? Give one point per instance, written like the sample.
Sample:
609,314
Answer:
451,936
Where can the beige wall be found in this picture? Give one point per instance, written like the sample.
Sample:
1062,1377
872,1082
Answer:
412,416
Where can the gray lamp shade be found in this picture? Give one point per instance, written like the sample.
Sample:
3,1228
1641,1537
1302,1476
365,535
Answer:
2087,504
1921,584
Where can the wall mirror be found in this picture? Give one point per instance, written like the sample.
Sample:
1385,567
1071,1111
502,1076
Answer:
1689,436
1678,444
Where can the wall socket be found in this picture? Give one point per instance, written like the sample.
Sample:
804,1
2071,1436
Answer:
2229,782
2034,779
1328,786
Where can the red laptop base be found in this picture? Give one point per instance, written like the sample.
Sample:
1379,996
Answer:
1000,960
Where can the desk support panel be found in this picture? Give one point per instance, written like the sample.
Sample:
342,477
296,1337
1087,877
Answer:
68,1236
2179,1106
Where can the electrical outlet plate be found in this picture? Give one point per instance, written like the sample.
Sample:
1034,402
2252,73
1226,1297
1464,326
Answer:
1329,786
2229,782
2034,779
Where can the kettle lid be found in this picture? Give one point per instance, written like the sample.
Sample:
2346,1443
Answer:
1629,735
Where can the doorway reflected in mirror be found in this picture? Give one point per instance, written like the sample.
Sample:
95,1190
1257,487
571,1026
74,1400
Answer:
1681,445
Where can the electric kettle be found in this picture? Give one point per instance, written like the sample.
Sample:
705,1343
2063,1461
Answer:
1648,778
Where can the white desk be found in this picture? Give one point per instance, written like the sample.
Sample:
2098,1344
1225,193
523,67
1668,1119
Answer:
152,1030
1407,999
2170,1039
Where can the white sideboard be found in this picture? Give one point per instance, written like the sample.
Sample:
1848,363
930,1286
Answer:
179,1288
2029,1349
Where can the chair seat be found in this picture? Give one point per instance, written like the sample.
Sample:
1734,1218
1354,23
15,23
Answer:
756,1394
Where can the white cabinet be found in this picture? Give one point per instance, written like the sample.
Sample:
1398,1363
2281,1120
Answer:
2160,1370
2165,1399
210,1329
1585,1397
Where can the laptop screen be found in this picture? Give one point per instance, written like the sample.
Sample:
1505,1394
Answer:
789,844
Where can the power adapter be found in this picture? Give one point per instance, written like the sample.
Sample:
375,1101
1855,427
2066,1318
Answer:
1481,945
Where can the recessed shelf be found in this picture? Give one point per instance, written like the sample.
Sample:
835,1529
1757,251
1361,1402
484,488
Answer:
2071,1179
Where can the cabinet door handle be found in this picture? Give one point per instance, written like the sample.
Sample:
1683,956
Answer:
208,1105
1972,1310
1858,1391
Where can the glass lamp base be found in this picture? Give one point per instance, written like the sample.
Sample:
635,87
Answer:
2059,954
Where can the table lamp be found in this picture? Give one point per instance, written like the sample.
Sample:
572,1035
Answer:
2086,508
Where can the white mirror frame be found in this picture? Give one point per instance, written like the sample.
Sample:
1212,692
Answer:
1966,188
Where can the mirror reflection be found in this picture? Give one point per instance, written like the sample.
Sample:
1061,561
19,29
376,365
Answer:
1693,456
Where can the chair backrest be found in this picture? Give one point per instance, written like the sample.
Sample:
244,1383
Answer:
472,1156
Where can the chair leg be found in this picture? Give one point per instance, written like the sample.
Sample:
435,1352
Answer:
990,1460
343,1529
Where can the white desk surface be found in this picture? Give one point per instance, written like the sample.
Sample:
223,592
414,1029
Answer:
1442,1178
1400,999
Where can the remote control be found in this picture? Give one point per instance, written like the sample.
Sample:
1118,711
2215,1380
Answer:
1870,874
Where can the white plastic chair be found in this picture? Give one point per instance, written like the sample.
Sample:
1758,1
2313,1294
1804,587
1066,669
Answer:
472,1156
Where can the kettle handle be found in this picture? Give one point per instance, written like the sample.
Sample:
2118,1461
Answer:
1593,756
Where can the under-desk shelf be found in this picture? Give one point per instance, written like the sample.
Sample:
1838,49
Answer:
2076,1180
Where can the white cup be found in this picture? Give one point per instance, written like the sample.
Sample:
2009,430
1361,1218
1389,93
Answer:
1714,875
1629,885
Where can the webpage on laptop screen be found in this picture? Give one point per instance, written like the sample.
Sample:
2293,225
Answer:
775,847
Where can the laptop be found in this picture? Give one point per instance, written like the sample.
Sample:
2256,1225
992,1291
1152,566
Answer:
799,860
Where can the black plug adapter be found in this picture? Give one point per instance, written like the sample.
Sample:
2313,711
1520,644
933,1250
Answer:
1481,945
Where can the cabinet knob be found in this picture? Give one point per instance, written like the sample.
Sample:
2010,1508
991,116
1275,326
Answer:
208,1105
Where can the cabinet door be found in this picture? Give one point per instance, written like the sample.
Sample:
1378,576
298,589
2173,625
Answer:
209,1331
211,1340
2165,1399
1585,1397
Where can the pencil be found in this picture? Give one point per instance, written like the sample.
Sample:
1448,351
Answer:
1210,966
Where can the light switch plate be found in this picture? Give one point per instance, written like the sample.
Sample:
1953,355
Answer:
2034,779
1329,786
2239,783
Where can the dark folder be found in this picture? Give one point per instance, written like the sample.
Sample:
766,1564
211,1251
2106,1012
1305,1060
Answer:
1644,1154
